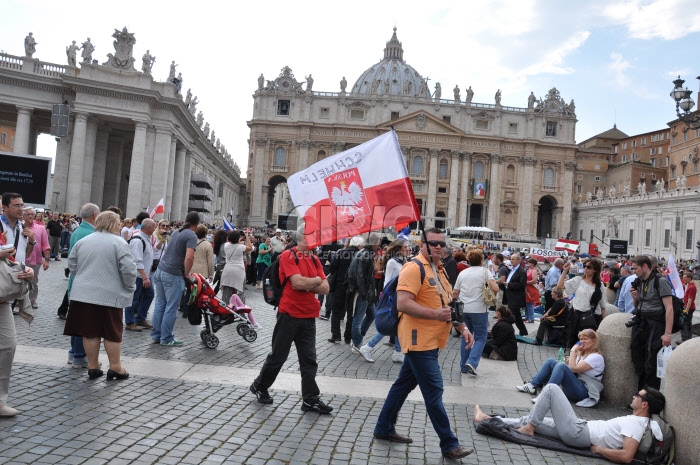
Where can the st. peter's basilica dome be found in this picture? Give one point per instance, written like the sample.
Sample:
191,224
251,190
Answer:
392,75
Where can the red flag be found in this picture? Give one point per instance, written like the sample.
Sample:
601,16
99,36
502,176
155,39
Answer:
160,208
567,245
362,189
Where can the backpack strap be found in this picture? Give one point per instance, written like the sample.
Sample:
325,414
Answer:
421,268
139,238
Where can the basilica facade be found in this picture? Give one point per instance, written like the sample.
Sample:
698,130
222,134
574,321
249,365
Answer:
479,164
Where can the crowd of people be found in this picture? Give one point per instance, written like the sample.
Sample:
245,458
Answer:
145,260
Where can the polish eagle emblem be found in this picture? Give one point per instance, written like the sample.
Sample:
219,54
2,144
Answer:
348,200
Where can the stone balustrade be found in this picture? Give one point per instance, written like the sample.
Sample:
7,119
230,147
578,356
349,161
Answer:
10,61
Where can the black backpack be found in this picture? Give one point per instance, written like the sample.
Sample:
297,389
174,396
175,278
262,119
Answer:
272,286
386,315
678,307
139,238
653,451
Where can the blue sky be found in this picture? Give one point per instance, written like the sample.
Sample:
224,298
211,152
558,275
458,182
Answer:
616,59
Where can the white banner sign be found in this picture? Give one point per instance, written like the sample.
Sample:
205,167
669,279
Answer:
546,255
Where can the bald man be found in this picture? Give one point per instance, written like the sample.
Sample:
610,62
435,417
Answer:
141,244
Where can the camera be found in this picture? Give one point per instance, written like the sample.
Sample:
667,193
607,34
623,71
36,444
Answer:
635,284
632,321
456,313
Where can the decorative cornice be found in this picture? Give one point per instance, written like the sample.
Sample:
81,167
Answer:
496,158
304,143
569,165
467,156
527,161
433,153
261,141
455,154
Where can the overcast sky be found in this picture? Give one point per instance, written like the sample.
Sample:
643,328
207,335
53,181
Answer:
615,58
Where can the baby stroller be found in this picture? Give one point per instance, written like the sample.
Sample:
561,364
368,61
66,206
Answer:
216,313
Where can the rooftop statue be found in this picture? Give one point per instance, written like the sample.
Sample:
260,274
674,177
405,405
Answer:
178,83
438,91
205,130
171,76
193,105
531,100
29,45
188,98
498,97
682,181
456,92
261,81
343,84
72,54
87,49
123,51
423,89
309,83
200,118
589,197
470,94
612,192
147,62
661,186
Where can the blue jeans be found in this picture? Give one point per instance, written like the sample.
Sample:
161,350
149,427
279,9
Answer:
143,296
77,350
478,324
560,374
169,290
364,316
378,337
420,368
530,311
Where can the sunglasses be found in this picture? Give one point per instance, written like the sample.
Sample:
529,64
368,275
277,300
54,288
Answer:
643,397
588,267
437,243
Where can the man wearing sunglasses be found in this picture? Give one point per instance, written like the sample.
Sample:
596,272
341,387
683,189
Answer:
616,439
423,330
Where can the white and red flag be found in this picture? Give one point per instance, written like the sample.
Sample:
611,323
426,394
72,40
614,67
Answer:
365,188
160,208
567,245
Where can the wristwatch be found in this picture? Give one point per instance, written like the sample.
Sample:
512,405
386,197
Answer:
31,243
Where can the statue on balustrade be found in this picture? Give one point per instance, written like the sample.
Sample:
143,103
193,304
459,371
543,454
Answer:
205,130
29,45
188,97
589,196
171,76
213,137
218,144
456,92
531,100
612,192
147,61
682,181
87,49
498,98
178,83
626,190
423,89
72,54
309,83
661,186
261,81
343,84
375,86
470,95
193,105
200,118
642,188
438,91
123,51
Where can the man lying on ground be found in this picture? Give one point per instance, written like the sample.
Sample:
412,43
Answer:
617,439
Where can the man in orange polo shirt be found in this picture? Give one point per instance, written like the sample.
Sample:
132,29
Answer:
423,331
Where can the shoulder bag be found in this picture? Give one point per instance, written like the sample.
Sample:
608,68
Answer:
487,294
11,287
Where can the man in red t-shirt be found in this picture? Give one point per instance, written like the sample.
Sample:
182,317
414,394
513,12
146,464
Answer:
689,301
296,323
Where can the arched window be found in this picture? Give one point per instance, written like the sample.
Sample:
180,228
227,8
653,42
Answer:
508,218
321,155
417,165
280,157
510,174
478,170
549,177
443,168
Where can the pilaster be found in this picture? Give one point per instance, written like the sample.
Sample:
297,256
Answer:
526,207
99,166
186,184
171,176
454,183
60,172
77,161
161,158
462,218
133,197
494,192
23,130
178,182
88,169
432,188
565,220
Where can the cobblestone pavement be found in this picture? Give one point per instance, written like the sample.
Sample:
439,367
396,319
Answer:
150,419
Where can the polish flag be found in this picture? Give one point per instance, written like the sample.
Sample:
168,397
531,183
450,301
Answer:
567,245
365,188
160,208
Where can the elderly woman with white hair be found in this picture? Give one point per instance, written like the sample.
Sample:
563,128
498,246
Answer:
104,280
342,303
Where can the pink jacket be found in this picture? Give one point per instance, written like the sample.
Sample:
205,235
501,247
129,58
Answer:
42,243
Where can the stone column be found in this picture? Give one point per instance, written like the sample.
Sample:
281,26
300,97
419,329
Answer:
99,166
138,151
110,194
60,172
187,170
171,175
462,218
148,168
494,206
303,146
525,219
23,130
432,187
161,158
256,201
124,175
567,188
178,182
88,169
77,161
452,213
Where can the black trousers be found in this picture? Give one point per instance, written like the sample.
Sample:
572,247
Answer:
518,320
645,345
342,309
548,300
302,333
687,329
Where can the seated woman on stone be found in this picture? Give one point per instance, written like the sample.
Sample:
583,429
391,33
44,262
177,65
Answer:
555,316
580,376
502,345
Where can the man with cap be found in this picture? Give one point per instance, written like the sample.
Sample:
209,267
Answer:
277,243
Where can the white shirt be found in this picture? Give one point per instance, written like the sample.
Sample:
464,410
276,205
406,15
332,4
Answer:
20,253
583,291
610,433
470,283
597,363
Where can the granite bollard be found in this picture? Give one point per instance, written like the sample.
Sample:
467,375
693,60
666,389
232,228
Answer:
610,309
619,379
682,409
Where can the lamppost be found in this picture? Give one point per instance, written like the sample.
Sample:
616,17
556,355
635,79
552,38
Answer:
685,102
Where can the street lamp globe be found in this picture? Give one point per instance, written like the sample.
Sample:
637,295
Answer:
687,103
678,93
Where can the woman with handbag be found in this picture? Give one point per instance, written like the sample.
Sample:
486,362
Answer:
557,314
469,289
11,290
233,276
588,302
580,376
532,293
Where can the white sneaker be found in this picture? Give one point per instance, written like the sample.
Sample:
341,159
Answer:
366,352
397,357
6,411
528,388
257,326
354,349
